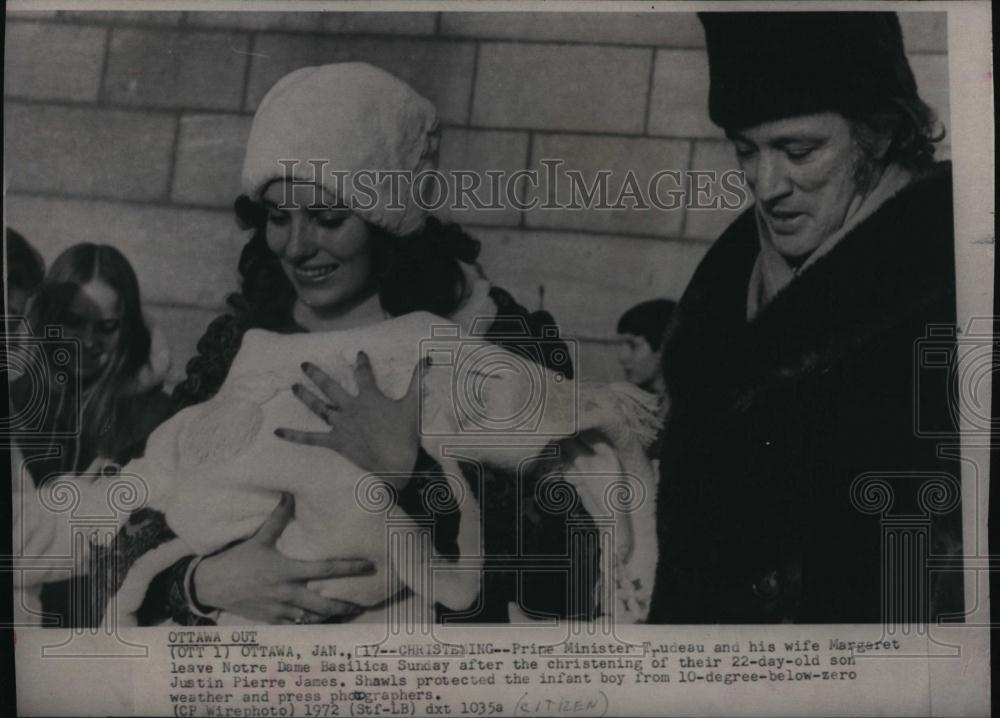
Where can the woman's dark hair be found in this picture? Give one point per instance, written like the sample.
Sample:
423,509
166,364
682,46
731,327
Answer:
25,266
74,268
910,124
419,271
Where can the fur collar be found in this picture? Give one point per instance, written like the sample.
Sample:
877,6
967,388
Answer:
893,269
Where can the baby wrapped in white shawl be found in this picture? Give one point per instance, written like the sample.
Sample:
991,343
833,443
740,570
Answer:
216,470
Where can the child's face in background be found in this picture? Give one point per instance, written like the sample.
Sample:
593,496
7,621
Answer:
640,363
94,318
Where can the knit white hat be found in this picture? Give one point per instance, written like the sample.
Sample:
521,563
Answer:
318,122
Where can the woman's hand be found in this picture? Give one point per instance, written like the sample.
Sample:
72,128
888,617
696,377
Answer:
376,433
254,580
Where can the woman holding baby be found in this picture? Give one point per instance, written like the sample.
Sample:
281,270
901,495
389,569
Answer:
315,262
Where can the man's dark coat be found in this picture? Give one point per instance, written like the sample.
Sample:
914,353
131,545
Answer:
787,431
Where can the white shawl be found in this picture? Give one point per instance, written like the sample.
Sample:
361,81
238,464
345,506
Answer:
216,470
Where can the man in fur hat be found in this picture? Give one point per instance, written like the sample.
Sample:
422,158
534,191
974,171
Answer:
790,366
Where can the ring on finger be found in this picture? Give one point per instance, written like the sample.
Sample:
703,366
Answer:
329,411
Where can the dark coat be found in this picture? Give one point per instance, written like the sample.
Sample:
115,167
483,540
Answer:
773,419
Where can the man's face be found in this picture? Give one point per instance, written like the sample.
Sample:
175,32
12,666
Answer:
802,171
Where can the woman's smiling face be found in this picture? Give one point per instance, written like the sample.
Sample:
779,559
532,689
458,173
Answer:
325,250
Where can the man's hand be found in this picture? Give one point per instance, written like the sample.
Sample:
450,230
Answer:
254,580
376,433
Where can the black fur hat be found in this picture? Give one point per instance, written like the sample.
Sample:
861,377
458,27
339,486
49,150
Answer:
769,65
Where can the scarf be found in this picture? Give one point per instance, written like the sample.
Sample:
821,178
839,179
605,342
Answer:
771,272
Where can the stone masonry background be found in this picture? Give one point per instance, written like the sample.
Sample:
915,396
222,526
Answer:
128,128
